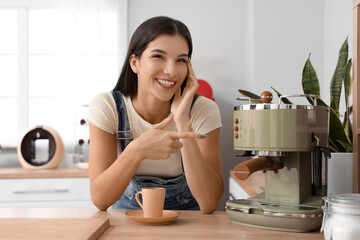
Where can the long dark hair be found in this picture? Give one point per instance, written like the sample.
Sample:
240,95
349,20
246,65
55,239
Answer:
145,33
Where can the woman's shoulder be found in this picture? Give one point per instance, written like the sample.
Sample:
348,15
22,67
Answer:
205,115
202,102
102,112
104,96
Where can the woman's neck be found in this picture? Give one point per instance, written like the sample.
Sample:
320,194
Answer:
150,108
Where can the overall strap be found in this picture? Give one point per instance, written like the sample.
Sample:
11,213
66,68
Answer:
124,133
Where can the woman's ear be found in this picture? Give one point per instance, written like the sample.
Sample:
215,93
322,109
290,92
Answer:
134,63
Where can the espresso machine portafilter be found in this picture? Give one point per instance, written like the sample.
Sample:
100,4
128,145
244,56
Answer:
290,144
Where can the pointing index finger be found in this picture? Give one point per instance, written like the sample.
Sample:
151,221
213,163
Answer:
187,135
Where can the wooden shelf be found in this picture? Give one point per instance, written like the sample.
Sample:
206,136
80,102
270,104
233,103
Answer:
18,172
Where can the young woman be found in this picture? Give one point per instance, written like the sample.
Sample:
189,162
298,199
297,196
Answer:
152,131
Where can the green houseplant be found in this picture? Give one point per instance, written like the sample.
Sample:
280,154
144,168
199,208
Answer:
340,130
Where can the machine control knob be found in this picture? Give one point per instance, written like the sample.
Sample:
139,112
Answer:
236,121
236,136
236,128
266,97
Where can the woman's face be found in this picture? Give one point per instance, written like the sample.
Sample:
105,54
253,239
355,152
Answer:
162,68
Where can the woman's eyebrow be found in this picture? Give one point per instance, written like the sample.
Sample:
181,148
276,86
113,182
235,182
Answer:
159,51
184,55
163,52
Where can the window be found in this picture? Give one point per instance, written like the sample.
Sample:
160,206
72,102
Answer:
55,56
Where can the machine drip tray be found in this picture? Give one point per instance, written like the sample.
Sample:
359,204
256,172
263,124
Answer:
272,216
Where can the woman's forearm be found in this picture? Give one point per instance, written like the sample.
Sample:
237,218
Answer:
204,181
108,187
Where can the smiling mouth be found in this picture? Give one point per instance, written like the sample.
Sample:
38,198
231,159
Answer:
166,83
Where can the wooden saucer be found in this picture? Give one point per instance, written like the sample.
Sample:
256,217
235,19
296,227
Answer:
167,217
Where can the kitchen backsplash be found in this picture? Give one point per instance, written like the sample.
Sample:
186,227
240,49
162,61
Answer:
8,156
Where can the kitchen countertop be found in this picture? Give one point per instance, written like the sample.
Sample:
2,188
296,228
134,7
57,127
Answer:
189,225
18,172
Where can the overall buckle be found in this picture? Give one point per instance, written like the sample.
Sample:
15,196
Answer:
124,135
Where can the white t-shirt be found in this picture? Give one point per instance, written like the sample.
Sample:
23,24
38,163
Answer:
204,118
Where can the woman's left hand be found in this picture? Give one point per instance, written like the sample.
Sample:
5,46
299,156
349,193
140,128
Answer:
181,103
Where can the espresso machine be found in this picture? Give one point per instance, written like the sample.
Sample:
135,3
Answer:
289,143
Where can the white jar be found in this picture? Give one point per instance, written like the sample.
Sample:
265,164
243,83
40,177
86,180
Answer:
341,219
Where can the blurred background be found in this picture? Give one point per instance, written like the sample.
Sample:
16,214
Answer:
55,56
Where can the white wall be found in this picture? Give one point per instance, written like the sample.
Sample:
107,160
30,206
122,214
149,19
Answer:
282,39
338,24
253,45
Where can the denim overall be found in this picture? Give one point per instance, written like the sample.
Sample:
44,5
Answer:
178,195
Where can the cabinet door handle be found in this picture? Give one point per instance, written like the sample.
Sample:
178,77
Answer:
26,191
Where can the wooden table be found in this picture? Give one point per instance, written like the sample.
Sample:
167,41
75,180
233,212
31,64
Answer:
190,225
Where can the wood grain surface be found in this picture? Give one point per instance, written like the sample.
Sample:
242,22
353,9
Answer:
52,228
189,225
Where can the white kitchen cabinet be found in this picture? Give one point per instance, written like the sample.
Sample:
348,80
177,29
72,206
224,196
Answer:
45,188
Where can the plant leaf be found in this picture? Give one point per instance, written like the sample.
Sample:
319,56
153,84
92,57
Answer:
333,146
249,94
254,97
347,81
310,82
334,109
344,146
347,87
284,100
347,125
340,147
336,130
350,128
320,102
336,80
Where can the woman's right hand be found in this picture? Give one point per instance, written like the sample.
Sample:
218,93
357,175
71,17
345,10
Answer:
158,143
